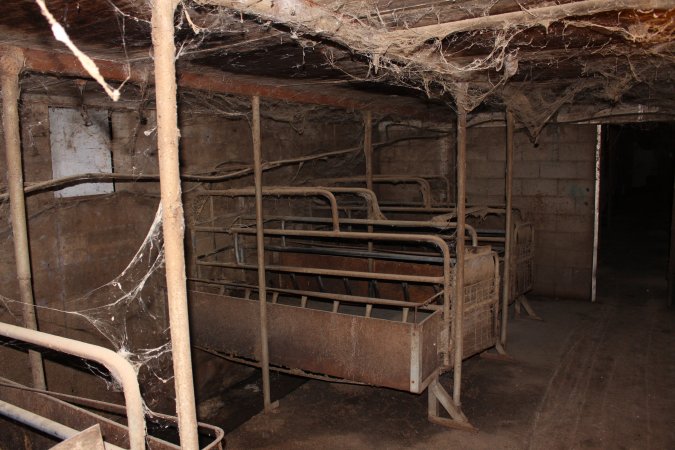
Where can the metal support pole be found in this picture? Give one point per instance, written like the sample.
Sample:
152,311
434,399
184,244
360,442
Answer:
459,267
260,247
508,232
596,213
10,67
368,152
368,147
172,217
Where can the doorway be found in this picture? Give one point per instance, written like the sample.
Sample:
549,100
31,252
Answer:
636,200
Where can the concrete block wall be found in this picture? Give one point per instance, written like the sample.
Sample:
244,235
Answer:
554,188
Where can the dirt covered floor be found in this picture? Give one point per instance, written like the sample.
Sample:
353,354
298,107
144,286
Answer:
590,376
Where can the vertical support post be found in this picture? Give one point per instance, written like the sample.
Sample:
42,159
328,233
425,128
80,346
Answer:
460,247
596,214
260,247
368,147
368,152
10,68
448,171
172,217
508,232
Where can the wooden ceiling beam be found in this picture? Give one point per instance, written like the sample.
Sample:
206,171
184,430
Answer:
189,77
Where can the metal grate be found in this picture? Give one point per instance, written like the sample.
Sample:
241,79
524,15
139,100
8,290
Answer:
480,303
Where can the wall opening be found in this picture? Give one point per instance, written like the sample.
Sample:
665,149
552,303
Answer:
636,199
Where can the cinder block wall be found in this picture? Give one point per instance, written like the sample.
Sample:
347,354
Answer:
554,188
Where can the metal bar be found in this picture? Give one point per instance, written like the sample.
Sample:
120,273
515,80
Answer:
348,298
473,233
339,251
328,272
283,191
172,217
425,187
10,67
116,364
368,147
459,268
508,189
260,251
43,424
596,214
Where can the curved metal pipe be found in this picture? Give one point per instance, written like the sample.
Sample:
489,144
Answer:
279,191
119,368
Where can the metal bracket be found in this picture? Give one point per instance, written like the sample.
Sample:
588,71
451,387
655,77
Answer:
439,396
522,301
500,355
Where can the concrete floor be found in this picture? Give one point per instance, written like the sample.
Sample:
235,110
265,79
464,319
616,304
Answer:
590,376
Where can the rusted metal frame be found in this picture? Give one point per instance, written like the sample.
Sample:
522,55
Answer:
436,240
459,246
217,433
384,223
349,298
283,191
327,272
508,231
48,426
367,194
260,251
117,365
173,222
425,187
10,69
351,252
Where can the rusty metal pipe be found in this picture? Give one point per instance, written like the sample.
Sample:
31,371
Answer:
459,269
172,217
327,272
10,67
382,223
322,295
260,251
279,191
424,186
508,188
117,365
367,194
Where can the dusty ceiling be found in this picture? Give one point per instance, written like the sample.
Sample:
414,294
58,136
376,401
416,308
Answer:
532,55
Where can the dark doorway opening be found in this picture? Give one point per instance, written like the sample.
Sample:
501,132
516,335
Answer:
636,198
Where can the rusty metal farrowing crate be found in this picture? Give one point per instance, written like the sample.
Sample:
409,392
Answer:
383,315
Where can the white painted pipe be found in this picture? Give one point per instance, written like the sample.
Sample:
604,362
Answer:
42,423
119,368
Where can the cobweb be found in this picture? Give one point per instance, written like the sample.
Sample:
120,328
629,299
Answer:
129,312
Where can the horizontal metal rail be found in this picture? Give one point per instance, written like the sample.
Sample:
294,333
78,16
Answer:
322,295
374,222
119,368
327,272
355,253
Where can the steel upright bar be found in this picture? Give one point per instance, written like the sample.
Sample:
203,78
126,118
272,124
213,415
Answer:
260,247
172,217
459,268
368,147
11,64
508,232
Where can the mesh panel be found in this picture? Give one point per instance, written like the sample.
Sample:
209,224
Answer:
480,303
